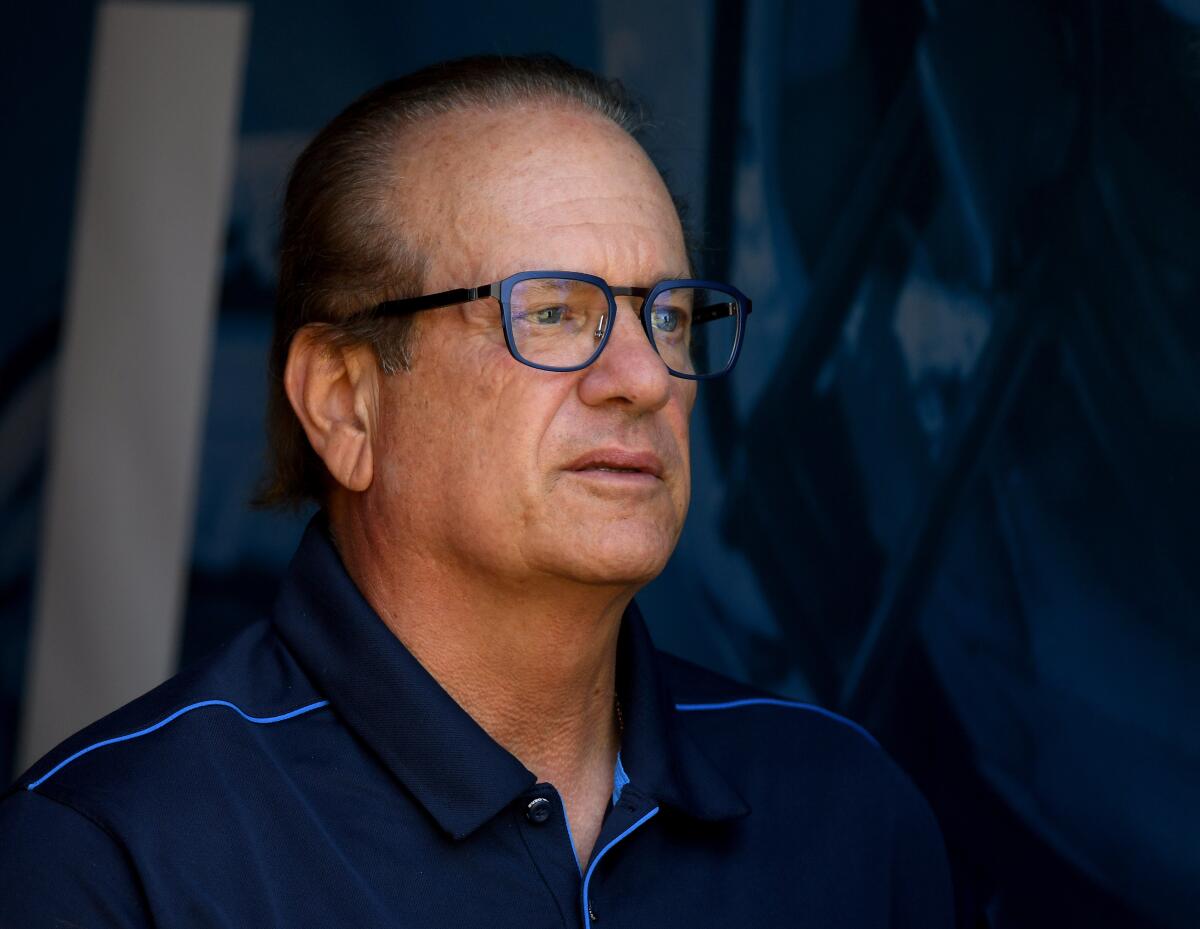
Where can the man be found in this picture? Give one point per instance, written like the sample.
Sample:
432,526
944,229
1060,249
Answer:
455,716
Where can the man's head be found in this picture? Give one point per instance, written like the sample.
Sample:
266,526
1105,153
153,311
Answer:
453,178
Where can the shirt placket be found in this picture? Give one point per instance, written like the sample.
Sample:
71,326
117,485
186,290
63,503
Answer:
630,814
542,821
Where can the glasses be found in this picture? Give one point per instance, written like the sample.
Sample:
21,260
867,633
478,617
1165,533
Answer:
561,320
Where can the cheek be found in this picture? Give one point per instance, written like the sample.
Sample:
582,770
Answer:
681,419
432,429
506,417
680,427
686,391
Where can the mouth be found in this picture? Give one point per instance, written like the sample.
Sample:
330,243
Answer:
618,464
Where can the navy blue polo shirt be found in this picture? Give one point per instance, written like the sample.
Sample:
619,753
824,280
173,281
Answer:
312,773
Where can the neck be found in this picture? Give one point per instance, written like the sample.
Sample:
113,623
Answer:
533,663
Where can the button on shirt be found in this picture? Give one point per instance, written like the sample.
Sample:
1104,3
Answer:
312,773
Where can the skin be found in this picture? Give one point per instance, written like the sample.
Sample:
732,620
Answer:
454,499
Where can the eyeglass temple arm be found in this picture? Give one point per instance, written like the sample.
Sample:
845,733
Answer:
706,314
433,301
436,301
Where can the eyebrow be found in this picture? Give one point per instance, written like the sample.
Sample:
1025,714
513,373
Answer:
554,285
649,281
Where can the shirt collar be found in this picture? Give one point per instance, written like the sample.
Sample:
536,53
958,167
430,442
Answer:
449,764
659,755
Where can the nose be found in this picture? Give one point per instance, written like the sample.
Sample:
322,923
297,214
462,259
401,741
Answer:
628,371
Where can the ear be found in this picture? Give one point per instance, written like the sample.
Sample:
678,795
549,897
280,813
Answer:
334,391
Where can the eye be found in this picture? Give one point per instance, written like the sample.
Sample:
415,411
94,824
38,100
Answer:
665,319
547,316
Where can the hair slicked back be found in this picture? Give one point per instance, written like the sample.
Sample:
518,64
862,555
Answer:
343,247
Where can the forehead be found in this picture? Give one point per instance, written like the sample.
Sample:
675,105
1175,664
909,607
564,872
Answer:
523,188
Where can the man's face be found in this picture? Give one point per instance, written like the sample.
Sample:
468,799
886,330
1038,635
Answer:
501,469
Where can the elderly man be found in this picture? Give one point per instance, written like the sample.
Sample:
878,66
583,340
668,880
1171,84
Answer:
487,348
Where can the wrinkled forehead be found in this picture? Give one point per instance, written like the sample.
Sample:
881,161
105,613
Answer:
495,192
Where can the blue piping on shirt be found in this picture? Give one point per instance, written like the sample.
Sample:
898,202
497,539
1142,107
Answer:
769,701
596,861
571,839
174,716
620,779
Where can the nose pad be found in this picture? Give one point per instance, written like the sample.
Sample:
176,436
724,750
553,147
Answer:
599,333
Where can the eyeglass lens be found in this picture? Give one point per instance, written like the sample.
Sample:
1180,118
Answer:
558,323
694,329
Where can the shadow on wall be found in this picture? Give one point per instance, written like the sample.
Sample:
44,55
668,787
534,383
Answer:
964,491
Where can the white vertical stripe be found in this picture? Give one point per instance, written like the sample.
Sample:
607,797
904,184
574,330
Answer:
158,144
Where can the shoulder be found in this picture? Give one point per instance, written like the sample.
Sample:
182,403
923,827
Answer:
775,749
59,867
189,724
819,785
708,698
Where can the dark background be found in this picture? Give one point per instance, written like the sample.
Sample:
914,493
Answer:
950,491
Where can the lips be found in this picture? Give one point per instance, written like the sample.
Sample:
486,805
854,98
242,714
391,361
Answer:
619,461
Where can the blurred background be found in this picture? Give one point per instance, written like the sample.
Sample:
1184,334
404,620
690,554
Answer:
950,490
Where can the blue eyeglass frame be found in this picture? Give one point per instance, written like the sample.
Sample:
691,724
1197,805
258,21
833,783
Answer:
502,291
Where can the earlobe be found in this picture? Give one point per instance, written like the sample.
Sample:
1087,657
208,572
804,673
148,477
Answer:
332,391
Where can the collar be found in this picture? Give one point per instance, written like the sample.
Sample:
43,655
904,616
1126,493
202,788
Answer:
433,747
660,757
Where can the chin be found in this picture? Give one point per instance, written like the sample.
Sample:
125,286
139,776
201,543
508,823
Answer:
620,558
